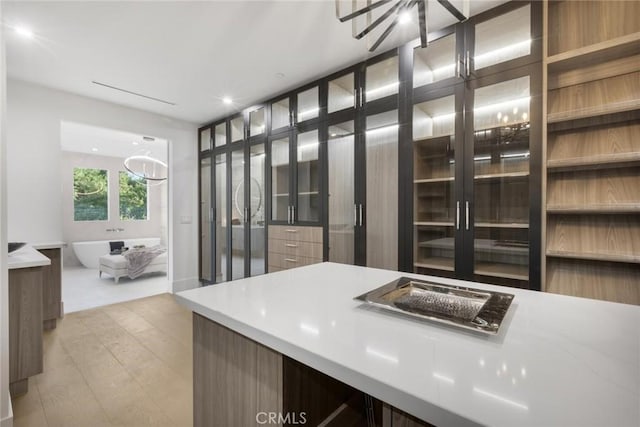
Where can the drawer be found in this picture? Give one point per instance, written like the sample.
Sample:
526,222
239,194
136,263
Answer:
295,233
295,248
286,261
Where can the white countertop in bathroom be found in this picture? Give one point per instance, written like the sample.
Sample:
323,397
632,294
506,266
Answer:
49,245
557,360
26,257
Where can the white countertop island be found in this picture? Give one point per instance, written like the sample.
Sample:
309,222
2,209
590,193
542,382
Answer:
557,360
26,257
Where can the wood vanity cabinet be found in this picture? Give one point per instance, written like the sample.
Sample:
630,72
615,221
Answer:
25,327
293,246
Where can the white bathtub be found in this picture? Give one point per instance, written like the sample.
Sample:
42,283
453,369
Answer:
89,253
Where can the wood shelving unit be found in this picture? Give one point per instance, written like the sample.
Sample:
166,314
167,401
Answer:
593,149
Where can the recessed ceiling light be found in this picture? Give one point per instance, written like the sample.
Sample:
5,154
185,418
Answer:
24,32
404,17
227,100
94,149
135,143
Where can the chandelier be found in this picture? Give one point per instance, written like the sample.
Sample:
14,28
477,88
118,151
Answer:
397,11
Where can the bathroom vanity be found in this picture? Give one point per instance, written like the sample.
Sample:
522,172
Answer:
26,282
296,343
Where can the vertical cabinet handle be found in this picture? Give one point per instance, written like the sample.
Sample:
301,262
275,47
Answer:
360,214
466,214
293,214
458,215
288,214
458,66
355,215
246,214
211,215
467,64
361,96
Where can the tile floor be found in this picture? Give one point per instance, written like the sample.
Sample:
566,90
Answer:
83,289
127,364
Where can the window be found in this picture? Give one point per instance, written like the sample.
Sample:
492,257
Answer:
90,195
133,197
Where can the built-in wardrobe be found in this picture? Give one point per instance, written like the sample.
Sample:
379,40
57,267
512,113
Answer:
500,153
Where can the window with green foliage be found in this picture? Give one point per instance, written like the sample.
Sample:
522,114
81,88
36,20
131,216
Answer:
90,195
133,197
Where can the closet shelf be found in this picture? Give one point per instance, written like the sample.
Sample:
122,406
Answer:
506,271
630,259
501,225
599,110
603,161
428,180
502,175
435,263
434,223
621,208
599,52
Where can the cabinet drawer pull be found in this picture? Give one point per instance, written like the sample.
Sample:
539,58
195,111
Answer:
291,245
291,260
291,230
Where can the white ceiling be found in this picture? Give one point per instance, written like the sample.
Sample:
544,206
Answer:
81,138
189,53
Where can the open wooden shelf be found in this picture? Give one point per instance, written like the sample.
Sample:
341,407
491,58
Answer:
605,161
501,225
435,263
434,223
428,180
618,187
634,259
596,110
607,50
502,175
594,209
506,271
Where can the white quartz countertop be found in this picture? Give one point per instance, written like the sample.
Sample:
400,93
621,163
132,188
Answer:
557,360
26,257
49,245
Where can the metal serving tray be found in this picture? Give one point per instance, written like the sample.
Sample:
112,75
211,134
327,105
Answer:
463,307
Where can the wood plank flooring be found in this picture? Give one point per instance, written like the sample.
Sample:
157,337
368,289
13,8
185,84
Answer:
127,364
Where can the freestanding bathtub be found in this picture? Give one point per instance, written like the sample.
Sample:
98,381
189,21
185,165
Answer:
89,253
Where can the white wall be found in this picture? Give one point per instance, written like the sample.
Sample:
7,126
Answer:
6,416
73,231
34,193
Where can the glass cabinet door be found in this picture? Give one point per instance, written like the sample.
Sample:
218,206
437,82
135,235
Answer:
434,126
257,122
206,232
341,93
308,177
382,79
308,104
222,225
280,114
221,134
257,174
380,214
503,38
280,180
501,179
237,129
342,208
238,214
205,139
436,62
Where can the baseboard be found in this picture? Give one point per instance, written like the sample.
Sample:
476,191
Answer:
8,421
185,284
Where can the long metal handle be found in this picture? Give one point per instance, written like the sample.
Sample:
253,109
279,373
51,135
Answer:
291,245
458,66
246,214
355,215
291,230
212,215
288,214
458,215
293,214
361,97
467,64
466,214
291,260
360,214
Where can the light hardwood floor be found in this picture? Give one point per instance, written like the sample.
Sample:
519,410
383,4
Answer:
127,364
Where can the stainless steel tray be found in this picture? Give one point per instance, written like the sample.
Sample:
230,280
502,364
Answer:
467,308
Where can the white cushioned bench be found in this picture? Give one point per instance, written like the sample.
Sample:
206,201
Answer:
116,265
